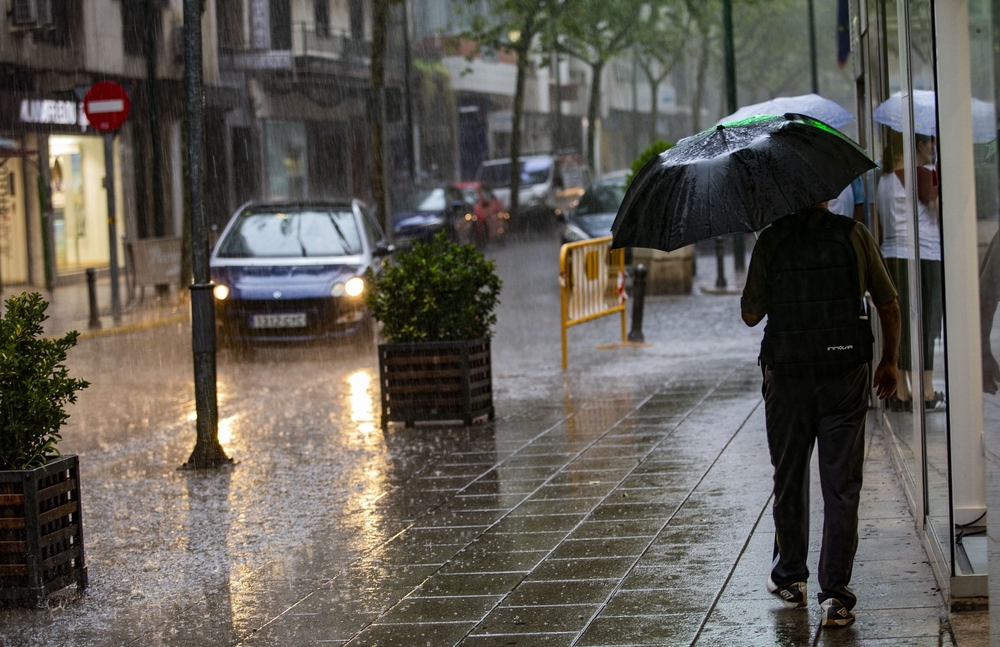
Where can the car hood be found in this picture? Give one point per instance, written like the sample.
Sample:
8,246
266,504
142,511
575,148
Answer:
417,219
287,281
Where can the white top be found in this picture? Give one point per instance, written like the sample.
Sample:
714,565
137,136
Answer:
891,199
843,204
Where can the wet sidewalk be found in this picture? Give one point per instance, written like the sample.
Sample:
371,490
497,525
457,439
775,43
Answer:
69,308
625,502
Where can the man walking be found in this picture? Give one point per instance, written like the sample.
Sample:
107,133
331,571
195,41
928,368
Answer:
808,274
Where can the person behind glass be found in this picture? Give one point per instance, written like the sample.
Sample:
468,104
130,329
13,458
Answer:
808,275
891,201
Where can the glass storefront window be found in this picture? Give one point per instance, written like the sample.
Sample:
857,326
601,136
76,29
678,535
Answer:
79,202
287,160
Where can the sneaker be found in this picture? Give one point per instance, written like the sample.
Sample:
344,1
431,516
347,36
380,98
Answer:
936,403
792,596
835,614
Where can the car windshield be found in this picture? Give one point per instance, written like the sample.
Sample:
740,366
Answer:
533,171
292,234
470,195
430,200
601,198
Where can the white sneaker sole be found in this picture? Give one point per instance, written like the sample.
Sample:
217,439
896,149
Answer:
774,590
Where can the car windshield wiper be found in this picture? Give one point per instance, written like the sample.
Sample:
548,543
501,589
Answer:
340,232
302,246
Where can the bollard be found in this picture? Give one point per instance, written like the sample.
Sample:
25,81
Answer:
95,319
638,296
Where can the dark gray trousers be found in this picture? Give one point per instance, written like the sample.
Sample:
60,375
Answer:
801,412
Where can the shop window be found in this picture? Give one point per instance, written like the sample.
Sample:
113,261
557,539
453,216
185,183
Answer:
58,33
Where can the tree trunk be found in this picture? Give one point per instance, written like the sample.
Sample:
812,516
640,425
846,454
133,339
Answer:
380,26
515,135
593,112
699,93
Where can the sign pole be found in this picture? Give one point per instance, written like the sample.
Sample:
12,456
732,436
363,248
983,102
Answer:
109,186
107,105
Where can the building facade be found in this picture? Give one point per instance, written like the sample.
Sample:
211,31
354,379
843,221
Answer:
288,115
936,63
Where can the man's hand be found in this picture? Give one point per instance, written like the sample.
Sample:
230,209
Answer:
750,319
886,378
886,373
991,373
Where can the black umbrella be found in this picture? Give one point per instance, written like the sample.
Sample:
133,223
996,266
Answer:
736,177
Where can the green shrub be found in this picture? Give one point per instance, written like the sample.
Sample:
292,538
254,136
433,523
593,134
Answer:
436,291
654,149
34,384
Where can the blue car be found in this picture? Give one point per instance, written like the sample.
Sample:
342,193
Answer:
432,211
293,271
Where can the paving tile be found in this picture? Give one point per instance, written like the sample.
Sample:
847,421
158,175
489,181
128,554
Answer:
490,562
415,609
601,547
556,506
582,569
634,631
410,635
551,639
530,593
592,529
538,523
537,619
445,584
658,602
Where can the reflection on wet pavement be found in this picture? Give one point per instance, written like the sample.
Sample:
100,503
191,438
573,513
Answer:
623,503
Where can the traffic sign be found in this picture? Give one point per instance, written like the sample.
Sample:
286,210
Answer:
106,105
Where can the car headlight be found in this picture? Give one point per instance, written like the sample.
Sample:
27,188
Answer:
352,288
220,291
572,233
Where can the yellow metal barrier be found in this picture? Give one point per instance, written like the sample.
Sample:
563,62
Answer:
591,284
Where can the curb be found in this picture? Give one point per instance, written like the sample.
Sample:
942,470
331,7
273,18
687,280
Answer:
127,328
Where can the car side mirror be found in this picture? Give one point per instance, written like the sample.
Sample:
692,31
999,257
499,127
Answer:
383,249
458,205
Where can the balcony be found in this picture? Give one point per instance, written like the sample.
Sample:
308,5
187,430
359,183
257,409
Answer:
310,47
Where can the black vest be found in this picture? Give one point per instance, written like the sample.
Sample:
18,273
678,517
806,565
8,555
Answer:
817,324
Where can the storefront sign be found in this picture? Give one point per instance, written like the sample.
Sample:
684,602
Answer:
52,111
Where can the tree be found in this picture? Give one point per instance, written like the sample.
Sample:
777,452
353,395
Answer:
659,45
380,39
595,31
513,25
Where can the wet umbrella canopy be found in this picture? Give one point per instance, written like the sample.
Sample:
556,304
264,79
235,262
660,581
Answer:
736,177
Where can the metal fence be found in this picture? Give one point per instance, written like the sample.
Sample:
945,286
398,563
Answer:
591,285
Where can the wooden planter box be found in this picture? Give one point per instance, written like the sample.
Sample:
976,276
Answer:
436,381
41,532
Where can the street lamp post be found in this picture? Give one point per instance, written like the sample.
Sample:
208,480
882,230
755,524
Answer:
207,450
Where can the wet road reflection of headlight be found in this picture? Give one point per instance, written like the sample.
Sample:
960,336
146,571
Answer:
220,291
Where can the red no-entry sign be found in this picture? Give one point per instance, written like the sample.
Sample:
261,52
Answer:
106,105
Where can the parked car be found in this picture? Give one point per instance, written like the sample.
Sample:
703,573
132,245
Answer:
595,213
428,212
490,216
550,185
293,271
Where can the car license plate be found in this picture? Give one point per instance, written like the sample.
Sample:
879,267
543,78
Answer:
285,320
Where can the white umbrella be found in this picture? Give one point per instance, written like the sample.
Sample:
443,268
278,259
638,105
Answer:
890,113
811,105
